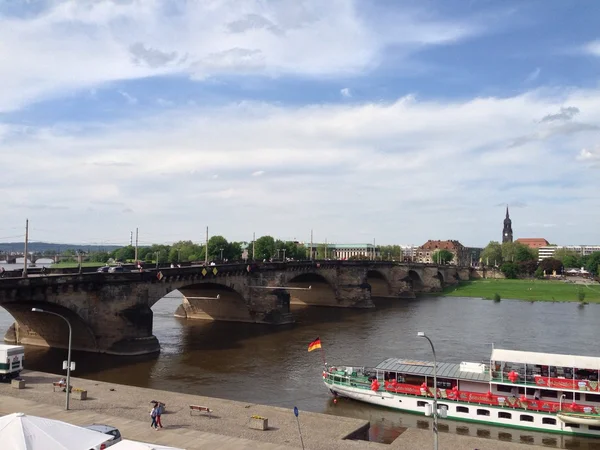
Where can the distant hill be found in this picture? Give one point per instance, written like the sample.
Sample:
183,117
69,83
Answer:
46,246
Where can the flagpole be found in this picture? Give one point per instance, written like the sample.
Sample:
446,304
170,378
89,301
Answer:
323,355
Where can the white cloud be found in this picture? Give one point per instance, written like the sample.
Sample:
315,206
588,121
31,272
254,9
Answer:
396,170
128,98
534,75
79,44
346,92
590,157
593,48
258,173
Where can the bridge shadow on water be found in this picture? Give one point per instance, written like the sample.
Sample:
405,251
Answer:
216,335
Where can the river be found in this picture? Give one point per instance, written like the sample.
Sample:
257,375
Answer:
270,365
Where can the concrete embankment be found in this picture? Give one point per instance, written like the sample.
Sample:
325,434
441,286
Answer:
127,407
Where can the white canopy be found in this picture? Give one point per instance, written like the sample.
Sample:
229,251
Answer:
19,431
135,445
546,359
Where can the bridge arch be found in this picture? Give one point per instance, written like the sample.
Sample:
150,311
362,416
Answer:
321,292
213,301
440,276
380,285
414,280
48,330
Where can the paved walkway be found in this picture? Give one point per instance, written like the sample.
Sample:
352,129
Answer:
128,407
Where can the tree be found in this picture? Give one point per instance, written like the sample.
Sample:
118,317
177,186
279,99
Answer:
523,253
592,263
390,252
124,253
234,251
102,257
264,247
492,254
569,258
442,256
510,269
508,251
216,244
550,265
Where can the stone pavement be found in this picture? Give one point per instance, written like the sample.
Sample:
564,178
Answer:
128,407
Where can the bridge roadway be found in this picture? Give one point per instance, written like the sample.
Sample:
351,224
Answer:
111,312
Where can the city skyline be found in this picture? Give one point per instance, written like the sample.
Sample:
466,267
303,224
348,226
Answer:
399,121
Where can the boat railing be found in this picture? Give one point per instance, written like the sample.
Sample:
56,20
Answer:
574,384
487,398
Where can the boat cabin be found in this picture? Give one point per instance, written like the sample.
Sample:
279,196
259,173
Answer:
546,370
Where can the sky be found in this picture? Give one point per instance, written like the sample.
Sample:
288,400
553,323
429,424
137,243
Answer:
394,120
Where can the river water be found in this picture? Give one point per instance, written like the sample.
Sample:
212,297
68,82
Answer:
270,365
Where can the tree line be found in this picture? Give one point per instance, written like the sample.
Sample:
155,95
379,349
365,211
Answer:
515,259
219,249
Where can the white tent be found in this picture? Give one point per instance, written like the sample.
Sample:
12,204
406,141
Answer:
19,431
135,445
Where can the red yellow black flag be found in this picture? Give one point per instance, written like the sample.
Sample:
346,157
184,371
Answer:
314,345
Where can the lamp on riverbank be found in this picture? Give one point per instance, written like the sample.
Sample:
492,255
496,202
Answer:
68,353
435,407
560,402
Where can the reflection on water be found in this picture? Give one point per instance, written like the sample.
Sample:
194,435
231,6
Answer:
270,365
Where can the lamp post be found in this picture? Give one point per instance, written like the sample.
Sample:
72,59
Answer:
560,402
221,255
68,353
435,409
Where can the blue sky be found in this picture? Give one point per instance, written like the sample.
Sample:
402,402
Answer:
396,120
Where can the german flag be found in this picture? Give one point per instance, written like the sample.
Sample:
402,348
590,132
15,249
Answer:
314,345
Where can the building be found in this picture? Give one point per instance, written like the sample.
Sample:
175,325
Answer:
507,232
533,242
409,253
581,250
346,251
424,254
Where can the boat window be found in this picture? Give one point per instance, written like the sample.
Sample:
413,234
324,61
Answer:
421,404
504,415
462,409
549,421
592,398
550,394
594,428
572,425
483,412
526,418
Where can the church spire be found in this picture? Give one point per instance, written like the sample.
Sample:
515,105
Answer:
507,233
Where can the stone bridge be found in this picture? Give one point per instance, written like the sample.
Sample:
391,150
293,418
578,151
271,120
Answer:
111,312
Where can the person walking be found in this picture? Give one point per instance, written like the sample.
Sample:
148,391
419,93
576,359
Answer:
153,414
159,410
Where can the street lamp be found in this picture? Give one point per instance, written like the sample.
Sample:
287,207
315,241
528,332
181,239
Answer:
221,255
68,354
435,410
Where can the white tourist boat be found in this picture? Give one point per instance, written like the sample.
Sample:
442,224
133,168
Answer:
526,390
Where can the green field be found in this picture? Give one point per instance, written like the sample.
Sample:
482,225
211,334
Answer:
70,265
536,290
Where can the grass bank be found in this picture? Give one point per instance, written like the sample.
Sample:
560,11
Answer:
533,290
70,265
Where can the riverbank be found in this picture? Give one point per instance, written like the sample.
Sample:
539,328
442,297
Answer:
530,290
127,407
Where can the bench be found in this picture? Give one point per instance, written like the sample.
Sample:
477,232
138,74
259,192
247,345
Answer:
61,386
201,409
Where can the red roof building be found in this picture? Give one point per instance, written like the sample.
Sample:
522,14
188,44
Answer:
533,242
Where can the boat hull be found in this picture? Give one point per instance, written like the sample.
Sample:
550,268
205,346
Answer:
469,412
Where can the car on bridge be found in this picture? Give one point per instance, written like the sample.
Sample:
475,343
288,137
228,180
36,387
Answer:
103,269
117,269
